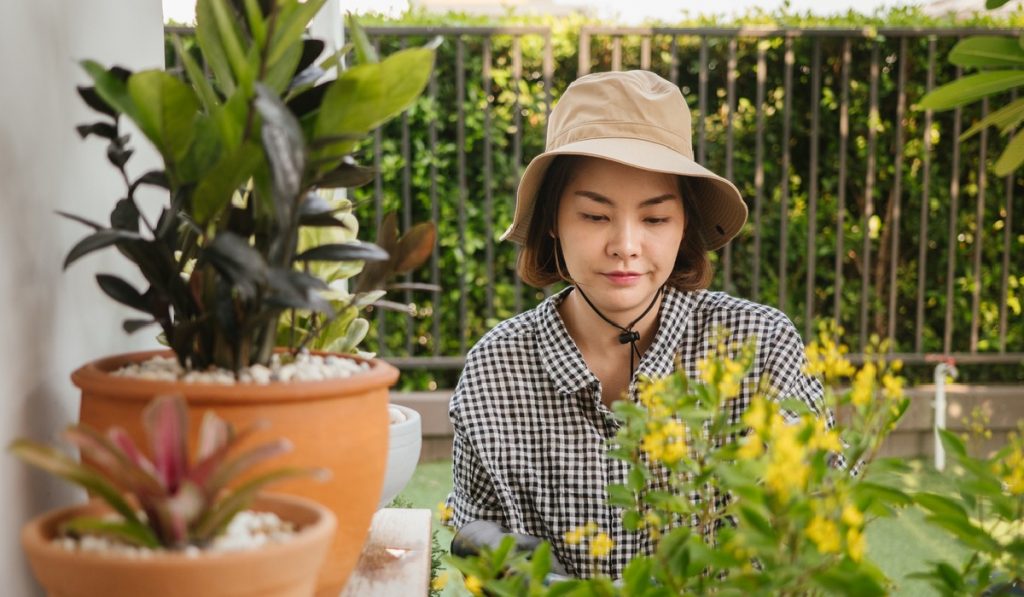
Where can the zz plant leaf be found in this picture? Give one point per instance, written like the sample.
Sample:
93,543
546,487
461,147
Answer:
241,152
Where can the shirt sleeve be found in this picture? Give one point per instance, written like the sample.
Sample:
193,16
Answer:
786,367
473,495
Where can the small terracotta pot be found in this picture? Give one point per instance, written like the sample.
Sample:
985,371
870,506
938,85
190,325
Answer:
286,569
339,424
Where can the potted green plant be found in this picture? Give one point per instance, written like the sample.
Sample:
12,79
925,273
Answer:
158,517
243,154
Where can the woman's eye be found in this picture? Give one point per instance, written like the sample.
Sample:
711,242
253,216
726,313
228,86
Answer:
656,220
594,217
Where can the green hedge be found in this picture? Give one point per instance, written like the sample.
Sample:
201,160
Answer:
482,315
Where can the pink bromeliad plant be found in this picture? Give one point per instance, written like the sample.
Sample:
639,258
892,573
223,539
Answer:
165,499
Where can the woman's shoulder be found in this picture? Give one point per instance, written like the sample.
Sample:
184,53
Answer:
514,333
721,306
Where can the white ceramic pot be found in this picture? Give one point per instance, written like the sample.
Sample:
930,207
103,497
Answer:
404,441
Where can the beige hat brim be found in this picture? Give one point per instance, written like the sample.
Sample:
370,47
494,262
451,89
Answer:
722,209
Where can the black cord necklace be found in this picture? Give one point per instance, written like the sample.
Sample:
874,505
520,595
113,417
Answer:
628,335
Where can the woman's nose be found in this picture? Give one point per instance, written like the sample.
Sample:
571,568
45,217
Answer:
625,240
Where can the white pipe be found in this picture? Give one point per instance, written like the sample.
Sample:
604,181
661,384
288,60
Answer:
941,371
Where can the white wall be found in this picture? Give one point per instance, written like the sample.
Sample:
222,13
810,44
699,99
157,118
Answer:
51,322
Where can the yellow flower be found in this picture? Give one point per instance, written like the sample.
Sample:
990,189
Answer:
665,443
439,583
824,439
653,444
751,448
852,517
786,467
892,386
864,385
675,441
824,534
600,546
1014,467
723,373
575,536
855,544
757,415
651,392
590,528
653,523
445,512
473,585
825,357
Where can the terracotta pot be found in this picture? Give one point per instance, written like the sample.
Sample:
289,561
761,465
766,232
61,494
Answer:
287,569
340,425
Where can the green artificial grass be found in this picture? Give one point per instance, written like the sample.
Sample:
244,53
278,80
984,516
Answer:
900,546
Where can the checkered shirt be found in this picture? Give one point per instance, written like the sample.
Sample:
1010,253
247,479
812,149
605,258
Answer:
531,431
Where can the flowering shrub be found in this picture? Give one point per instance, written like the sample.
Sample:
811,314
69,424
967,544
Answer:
985,513
771,501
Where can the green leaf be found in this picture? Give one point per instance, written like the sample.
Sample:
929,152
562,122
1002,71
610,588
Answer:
368,95
950,575
1012,156
221,513
214,191
293,19
365,53
241,265
620,495
57,463
1004,118
940,505
98,240
94,101
953,444
257,24
990,4
122,292
637,479
637,575
166,110
284,147
111,86
757,521
886,495
540,562
986,52
133,533
966,532
225,20
971,88
196,75
213,51
352,251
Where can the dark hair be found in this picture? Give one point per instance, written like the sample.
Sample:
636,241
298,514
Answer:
539,265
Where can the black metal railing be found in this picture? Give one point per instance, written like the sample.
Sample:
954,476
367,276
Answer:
862,208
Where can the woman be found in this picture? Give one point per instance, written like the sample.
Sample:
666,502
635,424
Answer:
617,207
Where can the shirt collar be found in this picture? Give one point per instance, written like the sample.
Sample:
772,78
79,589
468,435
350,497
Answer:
562,359
564,363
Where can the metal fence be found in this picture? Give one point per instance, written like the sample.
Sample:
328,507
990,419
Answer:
862,209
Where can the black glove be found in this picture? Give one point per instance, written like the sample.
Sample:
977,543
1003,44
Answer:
475,535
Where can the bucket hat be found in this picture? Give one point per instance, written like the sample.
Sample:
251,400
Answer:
639,119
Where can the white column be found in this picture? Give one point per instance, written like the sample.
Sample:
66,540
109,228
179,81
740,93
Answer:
52,321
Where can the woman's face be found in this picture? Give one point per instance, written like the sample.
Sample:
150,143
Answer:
620,229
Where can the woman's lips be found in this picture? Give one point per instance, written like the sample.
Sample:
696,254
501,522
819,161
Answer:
623,278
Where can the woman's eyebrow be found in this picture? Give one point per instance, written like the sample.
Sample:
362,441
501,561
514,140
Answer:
598,197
